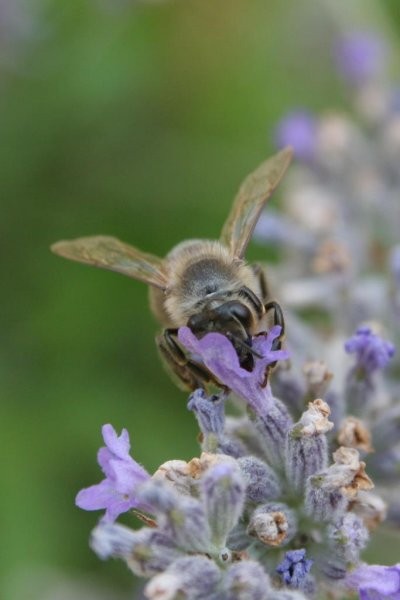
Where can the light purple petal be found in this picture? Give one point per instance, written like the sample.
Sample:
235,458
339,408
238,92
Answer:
118,445
360,55
297,129
118,492
104,456
96,496
382,581
127,476
219,356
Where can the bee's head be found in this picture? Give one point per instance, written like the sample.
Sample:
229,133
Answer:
233,319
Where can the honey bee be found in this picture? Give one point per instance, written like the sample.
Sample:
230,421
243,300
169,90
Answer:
203,284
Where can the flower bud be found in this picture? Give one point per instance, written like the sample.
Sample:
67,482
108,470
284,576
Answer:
306,451
370,507
347,538
146,552
262,483
272,428
210,415
328,492
182,518
190,577
274,524
223,492
246,580
176,473
353,433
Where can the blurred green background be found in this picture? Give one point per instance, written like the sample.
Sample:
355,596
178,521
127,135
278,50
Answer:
139,120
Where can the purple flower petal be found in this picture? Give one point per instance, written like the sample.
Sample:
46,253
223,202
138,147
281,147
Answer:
360,56
294,568
117,493
376,582
119,446
297,129
219,356
372,352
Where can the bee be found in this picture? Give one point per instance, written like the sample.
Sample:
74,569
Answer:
203,284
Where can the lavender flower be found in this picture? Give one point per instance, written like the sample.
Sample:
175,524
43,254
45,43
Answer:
220,357
360,56
372,352
117,493
294,568
297,129
376,582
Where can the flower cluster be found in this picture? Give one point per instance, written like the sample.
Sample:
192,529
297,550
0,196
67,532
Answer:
267,511
339,265
281,502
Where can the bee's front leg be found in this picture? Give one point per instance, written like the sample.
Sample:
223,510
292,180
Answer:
278,320
187,373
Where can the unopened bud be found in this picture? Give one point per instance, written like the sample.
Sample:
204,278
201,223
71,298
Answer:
273,524
306,450
262,482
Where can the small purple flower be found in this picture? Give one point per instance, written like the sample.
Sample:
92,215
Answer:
297,129
359,56
294,568
376,582
372,352
219,356
117,492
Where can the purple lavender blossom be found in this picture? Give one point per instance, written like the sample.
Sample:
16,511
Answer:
295,568
359,56
117,493
372,352
376,582
297,129
219,356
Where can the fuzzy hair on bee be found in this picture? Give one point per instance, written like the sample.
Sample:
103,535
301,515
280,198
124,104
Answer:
203,284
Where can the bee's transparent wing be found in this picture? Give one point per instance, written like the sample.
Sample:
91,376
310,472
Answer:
250,199
110,253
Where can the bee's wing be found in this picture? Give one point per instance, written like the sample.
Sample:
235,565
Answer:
250,199
110,253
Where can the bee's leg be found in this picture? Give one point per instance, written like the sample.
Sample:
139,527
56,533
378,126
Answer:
277,343
278,320
253,299
259,272
190,374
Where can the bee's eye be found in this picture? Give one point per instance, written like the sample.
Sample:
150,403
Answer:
241,312
195,322
234,310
